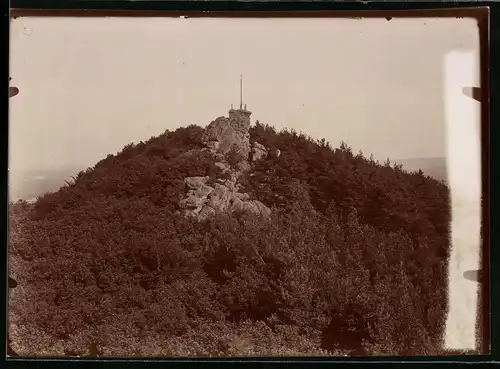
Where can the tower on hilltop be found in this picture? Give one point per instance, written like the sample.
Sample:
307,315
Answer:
240,118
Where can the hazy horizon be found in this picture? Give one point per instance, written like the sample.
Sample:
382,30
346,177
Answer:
89,86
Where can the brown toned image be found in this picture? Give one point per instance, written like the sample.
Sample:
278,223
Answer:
217,186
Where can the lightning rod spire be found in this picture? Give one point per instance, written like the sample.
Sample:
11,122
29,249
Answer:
241,91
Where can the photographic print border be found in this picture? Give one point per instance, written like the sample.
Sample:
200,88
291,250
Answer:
334,10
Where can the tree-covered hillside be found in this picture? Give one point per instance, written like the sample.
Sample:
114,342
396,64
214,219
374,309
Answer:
352,261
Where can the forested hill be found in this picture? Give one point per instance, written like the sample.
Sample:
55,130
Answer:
353,259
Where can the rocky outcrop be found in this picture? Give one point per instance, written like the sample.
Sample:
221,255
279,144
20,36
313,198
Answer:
226,133
206,198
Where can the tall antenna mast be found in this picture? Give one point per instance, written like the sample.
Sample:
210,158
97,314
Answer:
241,91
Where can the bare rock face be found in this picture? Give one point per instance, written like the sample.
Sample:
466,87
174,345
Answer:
197,194
203,201
242,166
224,133
224,167
258,151
252,207
196,183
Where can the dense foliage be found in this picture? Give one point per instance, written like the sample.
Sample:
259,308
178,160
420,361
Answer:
352,261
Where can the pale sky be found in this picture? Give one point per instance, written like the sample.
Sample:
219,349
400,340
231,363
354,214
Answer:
89,86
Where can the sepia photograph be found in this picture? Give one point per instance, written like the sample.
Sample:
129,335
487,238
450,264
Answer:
221,187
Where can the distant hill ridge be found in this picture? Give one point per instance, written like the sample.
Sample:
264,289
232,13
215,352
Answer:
434,167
